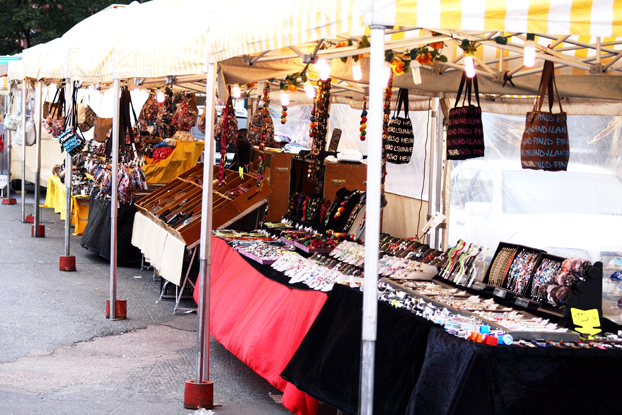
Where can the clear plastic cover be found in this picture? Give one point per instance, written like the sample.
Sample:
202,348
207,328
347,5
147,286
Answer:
577,213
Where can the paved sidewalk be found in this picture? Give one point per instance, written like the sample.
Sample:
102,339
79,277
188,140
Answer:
60,355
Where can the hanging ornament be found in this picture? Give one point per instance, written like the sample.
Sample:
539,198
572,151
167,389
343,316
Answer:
264,130
363,128
284,104
223,142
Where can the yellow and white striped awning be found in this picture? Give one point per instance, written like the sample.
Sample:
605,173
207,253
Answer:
250,27
4,85
562,17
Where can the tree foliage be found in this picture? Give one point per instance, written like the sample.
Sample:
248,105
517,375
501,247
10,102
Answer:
25,23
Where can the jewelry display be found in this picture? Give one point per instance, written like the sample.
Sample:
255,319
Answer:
363,129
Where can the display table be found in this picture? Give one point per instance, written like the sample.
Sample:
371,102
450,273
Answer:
420,369
259,320
184,157
55,199
160,248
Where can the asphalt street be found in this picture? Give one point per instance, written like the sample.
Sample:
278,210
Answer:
60,355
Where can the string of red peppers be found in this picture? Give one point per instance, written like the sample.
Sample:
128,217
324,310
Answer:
264,130
223,140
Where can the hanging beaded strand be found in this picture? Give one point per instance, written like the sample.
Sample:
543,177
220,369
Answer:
385,129
363,128
223,142
283,114
264,131
318,130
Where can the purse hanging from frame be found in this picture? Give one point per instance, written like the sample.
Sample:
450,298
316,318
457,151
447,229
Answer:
545,144
71,140
465,132
400,136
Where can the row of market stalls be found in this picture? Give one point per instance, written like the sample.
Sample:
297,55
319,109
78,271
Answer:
202,47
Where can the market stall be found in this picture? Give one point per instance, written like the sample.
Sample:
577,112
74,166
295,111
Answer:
248,52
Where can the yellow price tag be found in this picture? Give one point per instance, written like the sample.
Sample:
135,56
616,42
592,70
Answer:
241,170
586,321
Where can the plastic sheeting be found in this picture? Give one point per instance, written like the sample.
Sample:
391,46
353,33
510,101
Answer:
575,213
402,179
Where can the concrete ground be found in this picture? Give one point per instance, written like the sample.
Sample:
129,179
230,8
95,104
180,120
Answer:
60,355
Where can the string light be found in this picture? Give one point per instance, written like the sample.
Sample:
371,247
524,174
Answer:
357,71
529,51
284,99
309,90
236,92
469,66
386,73
323,67
416,70
160,97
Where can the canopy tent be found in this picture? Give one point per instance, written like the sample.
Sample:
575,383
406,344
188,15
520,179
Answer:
268,37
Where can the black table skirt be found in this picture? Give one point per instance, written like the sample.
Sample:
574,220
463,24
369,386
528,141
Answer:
96,236
422,370
327,363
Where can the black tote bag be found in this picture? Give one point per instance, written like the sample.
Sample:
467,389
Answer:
465,132
400,137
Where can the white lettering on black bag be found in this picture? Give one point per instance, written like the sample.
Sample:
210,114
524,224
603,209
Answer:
400,137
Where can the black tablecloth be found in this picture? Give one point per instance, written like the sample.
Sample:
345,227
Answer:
96,236
327,363
422,370
461,377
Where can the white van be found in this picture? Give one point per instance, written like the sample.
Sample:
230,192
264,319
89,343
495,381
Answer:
577,213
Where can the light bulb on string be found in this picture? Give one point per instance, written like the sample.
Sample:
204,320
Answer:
357,71
284,99
160,97
309,90
386,73
529,51
236,92
416,70
323,67
469,66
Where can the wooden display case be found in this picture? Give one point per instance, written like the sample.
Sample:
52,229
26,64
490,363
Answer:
277,176
348,175
184,196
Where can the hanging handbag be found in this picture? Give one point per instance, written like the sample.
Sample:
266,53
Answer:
12,121
18,137
164,122
148,114
71,140
400,136
55,122
255,127
89,119
185,116
102,127
232,126
465,132
201,123
545,143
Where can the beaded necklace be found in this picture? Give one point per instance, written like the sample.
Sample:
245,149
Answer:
354,213
385,128
363,128
264,130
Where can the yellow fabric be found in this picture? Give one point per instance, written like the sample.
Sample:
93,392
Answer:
55,199
569,17
183,157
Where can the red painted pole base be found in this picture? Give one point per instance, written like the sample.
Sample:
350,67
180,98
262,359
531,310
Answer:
8,201
30,219
67,263
40,233
199,395
120,310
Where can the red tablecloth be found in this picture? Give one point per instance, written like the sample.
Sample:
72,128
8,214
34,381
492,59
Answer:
260,321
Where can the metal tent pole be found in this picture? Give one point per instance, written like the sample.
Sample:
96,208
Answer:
24,91
431,177
199,393
37,228
440,121
112,305
372,231
8,200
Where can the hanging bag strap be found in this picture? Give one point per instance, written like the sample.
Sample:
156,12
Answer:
402,99
460,88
